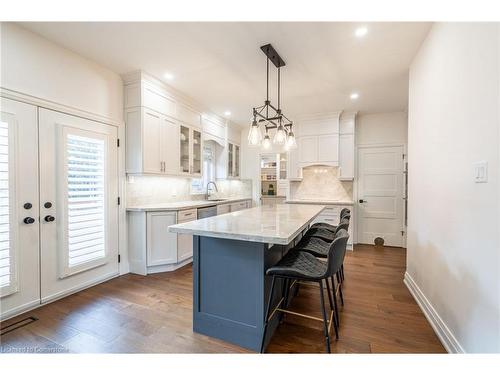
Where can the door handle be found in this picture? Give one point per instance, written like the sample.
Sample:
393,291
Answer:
28,220
49,218
362,201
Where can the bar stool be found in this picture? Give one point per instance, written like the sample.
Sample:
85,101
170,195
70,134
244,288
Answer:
327,234
343,213
299,266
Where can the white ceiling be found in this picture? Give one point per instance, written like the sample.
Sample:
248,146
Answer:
222,66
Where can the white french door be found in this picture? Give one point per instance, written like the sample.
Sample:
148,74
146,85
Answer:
19,208
78,203
380,195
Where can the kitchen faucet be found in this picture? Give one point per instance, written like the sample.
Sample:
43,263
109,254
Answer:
215,186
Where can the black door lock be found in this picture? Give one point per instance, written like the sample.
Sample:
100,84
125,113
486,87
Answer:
49,218
28,220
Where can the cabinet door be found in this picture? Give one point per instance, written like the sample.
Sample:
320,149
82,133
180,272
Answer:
170,146
196,162
184,247
152,124
185,149
346,156
328,148
230,157
161,244
236,161
223,209
308,149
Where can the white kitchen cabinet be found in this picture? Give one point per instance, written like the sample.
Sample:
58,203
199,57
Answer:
161,244
346,157
347,146
271,201
237,206
190,146
308,149
328,149
151,143
185,241
233,160
223,208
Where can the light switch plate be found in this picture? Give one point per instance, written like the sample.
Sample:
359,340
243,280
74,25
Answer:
481,171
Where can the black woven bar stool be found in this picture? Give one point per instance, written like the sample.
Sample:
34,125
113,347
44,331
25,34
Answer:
343,213
299,266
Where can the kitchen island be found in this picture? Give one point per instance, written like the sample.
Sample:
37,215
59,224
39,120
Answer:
230,255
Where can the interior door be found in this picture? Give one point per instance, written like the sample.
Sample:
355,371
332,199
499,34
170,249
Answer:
380,193
19,225
78,203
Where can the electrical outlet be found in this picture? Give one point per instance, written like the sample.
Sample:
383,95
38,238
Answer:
481,171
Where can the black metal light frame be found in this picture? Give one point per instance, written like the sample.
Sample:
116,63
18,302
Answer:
277,118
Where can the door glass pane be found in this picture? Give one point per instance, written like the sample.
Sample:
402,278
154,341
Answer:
230,160
6,254
283,160
196,152
86,199
236,161
185,144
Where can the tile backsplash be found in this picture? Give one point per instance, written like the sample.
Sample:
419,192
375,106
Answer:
143,190
321,182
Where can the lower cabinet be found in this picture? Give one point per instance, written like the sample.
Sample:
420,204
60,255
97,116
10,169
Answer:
152,248
223,208
272,201
239,206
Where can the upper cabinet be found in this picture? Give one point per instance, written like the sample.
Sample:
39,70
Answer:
326,139
347,146
229,164
318,140
163,134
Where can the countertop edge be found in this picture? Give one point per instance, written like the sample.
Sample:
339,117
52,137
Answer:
320,202
200,205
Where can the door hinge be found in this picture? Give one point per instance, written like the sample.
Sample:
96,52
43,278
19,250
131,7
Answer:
402,232
119,258
119,201
118,142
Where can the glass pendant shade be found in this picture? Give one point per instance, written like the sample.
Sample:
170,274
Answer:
254,135
291,142
280,136
266,143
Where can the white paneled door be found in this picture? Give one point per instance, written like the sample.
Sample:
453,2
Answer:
78,203
19,207
380,193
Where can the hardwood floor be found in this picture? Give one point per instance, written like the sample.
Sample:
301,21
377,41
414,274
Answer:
153,314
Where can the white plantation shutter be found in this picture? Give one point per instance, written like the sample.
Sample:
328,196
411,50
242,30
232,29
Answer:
86,199
6,251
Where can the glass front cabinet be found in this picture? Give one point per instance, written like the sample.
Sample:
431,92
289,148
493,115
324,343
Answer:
190,151
233,160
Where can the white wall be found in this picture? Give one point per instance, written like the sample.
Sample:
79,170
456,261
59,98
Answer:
453,258
378,128
35,66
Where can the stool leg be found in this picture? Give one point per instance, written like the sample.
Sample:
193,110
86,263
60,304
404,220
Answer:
286,282
335,301
335,323
270,299
325,323
342,271
339,280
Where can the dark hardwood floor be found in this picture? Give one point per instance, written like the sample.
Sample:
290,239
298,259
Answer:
153,314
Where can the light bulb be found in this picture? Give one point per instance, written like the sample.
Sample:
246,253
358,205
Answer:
280,136
254,135
266,143
291,142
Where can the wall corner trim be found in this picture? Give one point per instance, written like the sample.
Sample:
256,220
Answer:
444,334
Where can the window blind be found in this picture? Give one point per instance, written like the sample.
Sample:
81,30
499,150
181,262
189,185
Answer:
6,254
86,229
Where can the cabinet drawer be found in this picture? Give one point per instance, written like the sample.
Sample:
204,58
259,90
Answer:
223,209
238,206
187,215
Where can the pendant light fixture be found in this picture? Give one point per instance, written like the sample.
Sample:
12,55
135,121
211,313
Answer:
270,116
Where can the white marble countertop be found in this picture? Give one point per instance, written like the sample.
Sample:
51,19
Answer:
320,201
184,205
278,224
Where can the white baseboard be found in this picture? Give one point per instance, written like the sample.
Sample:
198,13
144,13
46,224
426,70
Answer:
444,334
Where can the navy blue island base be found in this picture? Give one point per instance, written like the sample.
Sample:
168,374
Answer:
231,290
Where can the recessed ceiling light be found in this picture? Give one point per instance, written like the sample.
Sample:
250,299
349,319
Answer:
169,76
354,96
361,32
227,113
